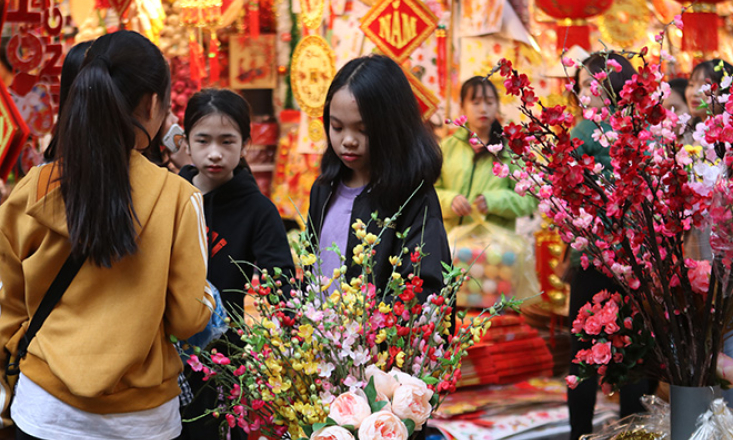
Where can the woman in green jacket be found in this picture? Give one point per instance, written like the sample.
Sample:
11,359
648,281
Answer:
467,180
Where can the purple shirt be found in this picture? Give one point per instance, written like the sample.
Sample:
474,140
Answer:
337,227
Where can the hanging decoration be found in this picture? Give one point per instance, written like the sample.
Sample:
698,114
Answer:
441,59
35,53
480,17
253,12
252,62
311,13
398,27
201,13
13,131
426,100
700,34
120,6
573,28
312,68
624,23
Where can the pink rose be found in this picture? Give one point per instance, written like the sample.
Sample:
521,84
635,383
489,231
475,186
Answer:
724,367
383,425
349,409
411,402
592,325
384,383
601,353
572,381
406,379
332,433
611,327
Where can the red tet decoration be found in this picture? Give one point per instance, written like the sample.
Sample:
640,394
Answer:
441,60
13,133
426,100
398,27
572,29
700,33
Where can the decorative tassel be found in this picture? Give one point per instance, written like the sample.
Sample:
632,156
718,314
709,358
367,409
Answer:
196,60
441,35
254,19
214,70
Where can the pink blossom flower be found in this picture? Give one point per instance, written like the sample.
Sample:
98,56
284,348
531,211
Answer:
700,277
195,363
593,325
571,381
601,353
220,359
600,76
613,64
568,62
678,22
500,169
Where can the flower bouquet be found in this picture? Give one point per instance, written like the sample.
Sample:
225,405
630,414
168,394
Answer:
341,358
630,219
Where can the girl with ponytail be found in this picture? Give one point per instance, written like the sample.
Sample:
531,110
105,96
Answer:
102,365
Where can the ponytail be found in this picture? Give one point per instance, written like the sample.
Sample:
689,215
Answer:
97,132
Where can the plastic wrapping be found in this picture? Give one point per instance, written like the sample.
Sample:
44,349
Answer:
715,424
653,425
721,234
498,262
214,328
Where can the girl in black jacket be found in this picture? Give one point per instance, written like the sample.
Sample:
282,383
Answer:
379,153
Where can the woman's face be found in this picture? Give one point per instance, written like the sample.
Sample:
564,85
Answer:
694,97
480,107
676,103
585,81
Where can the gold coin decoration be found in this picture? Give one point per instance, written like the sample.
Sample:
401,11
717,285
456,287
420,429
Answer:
311,13
312,68
315,130
624,23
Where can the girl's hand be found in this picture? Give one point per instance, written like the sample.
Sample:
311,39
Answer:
480,204
460,205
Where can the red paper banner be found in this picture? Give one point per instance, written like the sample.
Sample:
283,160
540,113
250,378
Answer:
398,27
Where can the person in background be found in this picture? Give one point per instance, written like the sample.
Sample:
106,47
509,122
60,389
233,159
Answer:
379,156
585,283
102,365
676,101
467,181
243,224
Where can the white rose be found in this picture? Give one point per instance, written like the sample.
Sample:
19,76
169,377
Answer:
350,409
332,433
412,402
384,383
383,425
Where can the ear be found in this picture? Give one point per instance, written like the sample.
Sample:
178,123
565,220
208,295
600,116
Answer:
186,147
155,106
245,145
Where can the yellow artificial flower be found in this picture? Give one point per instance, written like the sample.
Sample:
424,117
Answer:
358,259
371,239
395,261
360,234
396,276
327,285
306,332
335,297
279,385
310,368
693,149
268,324
358,225
273,366
400,359
384,308
358,249
382,359
308,260
381,336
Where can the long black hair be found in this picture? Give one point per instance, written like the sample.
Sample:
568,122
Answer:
403,153
97,132
72,64
472,86
225,102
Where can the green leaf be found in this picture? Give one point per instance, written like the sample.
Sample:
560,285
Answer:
307,430
351,428
278,272
434,400
378,406
430,380
329,422
371,393
410,426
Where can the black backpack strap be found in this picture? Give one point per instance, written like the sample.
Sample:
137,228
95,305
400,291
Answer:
50,299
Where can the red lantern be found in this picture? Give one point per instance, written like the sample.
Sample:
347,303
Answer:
572,27
700,33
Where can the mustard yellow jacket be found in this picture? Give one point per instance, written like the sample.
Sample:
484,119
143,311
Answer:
105,346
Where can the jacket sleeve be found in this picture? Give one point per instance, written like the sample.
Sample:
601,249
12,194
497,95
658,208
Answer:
189,303
505,202
434,245
271,248
445,194
12,313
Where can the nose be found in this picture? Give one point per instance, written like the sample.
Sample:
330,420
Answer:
214,153
350,141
